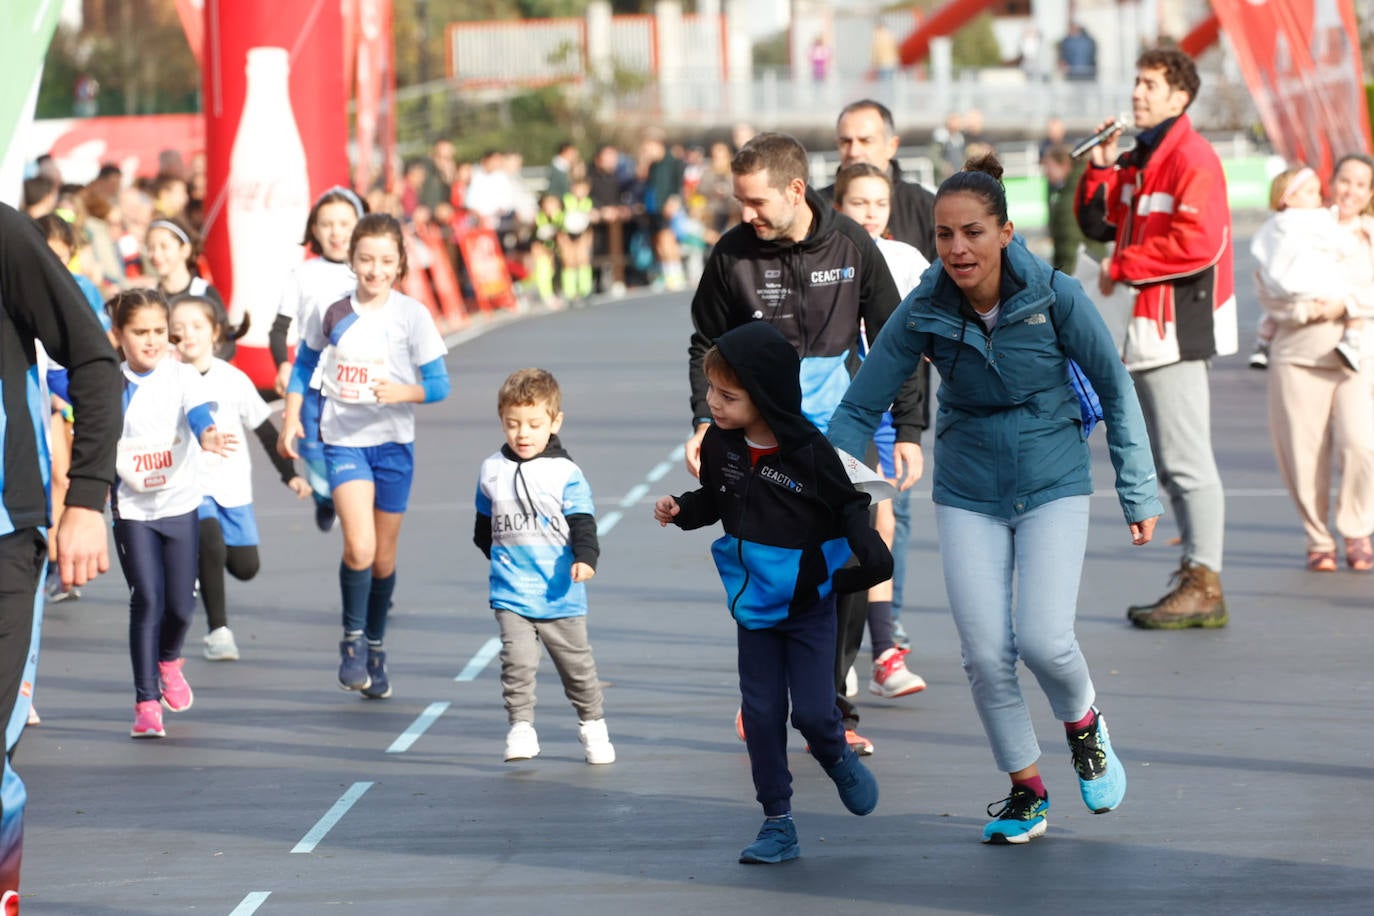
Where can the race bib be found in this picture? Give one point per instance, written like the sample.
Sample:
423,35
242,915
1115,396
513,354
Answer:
354,377
147,465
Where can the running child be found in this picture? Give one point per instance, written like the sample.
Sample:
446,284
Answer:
543,248
535,523
228,528
382,354
863,192
1299,249
173,251
316,284
166,407
791,519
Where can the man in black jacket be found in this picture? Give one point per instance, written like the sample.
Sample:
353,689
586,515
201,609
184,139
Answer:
40,301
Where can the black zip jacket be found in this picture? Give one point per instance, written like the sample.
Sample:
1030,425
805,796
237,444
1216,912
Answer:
814,292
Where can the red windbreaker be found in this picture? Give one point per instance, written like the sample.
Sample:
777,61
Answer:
1166,209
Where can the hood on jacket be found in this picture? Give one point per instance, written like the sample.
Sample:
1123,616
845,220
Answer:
770,370
554,449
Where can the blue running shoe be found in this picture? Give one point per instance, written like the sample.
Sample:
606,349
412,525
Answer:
776,842
380,688
1022,818
353,664
857,787
1101,777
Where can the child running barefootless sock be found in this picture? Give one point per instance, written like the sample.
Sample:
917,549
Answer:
378,604
1034,783
354,584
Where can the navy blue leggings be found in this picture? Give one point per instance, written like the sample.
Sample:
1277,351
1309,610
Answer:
796,658
159,563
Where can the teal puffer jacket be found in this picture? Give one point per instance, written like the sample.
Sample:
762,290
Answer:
1008,434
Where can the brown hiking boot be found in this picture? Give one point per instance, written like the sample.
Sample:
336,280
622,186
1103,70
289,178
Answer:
1195,602
1175,578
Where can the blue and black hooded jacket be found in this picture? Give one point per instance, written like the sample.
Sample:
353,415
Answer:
792,519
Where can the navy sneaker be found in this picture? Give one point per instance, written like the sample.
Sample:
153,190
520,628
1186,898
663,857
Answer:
1101,777
380,688
1023,818
776,842
353,664
324,516
857,787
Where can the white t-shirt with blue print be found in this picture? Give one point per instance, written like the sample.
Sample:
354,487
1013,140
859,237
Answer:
531,555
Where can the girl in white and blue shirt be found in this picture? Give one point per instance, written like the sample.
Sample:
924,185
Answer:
167,409
316,284
380,354
228,528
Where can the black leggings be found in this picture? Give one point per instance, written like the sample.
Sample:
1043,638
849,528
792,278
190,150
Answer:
159,560
241,562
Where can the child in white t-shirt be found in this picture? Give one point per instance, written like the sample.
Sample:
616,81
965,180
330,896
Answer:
381,354
167,409
228,528
1300,249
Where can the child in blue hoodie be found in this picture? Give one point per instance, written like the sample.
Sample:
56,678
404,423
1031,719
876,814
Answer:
791,518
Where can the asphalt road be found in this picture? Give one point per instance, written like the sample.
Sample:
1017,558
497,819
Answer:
1249,749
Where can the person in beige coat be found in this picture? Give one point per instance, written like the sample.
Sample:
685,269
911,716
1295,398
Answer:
1319,408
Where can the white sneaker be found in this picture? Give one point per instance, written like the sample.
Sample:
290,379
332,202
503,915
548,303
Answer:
851,683
521,742
220,645
596,742
891,678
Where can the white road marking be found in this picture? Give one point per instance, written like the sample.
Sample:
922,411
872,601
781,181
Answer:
417,728
249,905
637,492
479,661
607,522
331,817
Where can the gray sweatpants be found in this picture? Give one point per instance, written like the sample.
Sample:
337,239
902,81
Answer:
566,640
1177,404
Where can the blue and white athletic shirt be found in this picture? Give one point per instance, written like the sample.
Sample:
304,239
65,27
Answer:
313,286
155,460
531,555
239,409
360,346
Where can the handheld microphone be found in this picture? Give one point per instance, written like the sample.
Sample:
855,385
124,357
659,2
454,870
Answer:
1120,122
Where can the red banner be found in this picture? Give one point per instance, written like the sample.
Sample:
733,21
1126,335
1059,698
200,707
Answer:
276,135
1301,60
375,72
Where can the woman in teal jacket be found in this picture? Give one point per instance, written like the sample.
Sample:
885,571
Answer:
1012,476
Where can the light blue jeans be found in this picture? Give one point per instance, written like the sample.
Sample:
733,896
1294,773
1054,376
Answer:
1013,588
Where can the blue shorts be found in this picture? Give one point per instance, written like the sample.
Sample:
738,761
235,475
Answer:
884,438
390,467
239,524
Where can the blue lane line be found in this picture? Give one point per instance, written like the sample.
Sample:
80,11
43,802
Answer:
637,492
480,660
331,817
417,728
249,905
659,472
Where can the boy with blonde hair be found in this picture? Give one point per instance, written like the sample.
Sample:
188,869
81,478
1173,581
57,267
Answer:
535,523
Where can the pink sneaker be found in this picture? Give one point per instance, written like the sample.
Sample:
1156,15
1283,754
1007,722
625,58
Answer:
147,720
892,678
176,693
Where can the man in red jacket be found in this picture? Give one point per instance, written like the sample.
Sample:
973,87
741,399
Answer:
1164,204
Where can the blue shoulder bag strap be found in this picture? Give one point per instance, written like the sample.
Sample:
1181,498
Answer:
1089,405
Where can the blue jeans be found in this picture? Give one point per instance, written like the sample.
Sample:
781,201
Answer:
1038,558
901,541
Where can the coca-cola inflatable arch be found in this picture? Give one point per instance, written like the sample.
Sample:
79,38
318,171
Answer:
276,133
